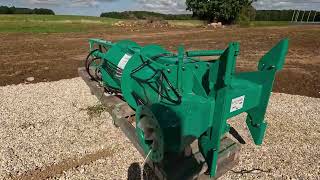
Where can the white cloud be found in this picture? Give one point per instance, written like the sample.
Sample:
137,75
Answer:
178,6
164,6
86,3
83,3
44,2
68,3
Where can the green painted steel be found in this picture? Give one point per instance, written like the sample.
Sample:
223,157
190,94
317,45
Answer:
180,98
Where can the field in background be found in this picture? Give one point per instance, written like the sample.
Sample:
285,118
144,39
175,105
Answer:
51,48
66,23
265,23
52,24
191,23
57,129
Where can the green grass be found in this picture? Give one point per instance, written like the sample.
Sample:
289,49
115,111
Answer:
95,111
264,23
66,23
190,23
52,24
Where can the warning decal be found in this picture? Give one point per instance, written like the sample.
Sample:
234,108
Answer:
124,60
237,103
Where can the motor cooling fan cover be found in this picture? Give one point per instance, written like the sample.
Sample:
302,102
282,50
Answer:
149,133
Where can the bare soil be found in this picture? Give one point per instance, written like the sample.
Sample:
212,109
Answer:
51,57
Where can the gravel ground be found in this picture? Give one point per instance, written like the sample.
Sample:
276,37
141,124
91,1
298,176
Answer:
46,130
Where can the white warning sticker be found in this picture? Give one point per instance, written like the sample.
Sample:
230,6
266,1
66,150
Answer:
124,60
237,103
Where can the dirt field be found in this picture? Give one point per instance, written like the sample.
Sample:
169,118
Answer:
47,130
54,56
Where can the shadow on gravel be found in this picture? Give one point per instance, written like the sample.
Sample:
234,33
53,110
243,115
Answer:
56,169
134,172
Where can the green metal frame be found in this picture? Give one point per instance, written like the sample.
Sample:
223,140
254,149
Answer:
186,98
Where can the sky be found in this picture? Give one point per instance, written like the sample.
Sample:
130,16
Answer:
96,7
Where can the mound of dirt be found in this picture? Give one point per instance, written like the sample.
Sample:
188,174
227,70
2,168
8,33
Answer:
150,23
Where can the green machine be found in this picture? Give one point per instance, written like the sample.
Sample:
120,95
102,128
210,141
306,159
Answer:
180,98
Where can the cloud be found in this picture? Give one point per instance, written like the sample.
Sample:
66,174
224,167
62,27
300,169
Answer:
178,6
95,7
44,2
86,3
83,3
164,6
68,3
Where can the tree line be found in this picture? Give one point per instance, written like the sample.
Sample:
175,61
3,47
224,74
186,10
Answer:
15,10
285,15
246,14
146,15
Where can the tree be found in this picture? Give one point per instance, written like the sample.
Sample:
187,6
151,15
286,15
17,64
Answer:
4,10
43,11
226,11
14,10
23,11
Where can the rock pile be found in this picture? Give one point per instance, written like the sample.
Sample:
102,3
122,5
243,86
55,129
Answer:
216,25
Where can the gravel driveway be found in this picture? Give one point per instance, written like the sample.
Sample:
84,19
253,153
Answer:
58,130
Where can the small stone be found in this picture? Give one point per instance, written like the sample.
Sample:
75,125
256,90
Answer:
81,170
30,79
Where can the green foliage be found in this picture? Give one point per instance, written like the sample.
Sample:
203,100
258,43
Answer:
243,20
43,11
146,15
266,23
22,11
95,111
5,10
14,10
216,10
274,15
247,15
282,15
249,12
